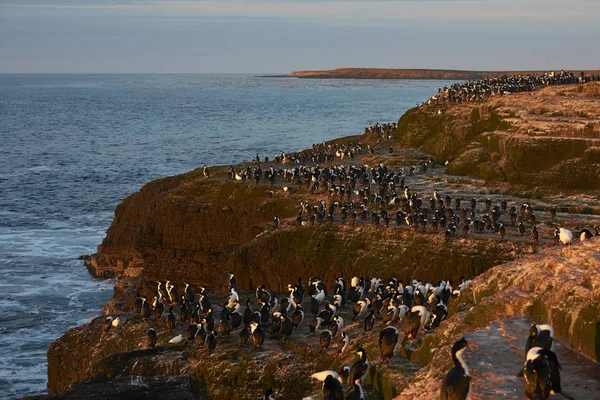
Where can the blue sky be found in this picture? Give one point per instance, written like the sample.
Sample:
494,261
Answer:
259,36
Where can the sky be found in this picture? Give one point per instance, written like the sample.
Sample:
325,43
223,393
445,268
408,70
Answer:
281,36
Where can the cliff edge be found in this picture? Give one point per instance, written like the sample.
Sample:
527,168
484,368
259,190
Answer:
536,152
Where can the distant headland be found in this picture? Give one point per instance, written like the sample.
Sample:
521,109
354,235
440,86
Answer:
385,73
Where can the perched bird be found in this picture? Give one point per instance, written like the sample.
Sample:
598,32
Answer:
542,374
146,309
298,316
357,392
534,234
343,344
388,339
258,334
360,307
201,334
359,369
171,319
108,321
457,383
176,340
369,321
415,322
565,236
325,339
191,333
501,230
159,308
232,284
585,234
539,336
268,394
315,325
332,384
137,305
286,325
151,338
244,335
211,341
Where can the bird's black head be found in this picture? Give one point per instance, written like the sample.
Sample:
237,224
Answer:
361,352
533,331
459,345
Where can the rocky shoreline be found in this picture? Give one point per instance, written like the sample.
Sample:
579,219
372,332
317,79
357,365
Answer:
391,73
539,148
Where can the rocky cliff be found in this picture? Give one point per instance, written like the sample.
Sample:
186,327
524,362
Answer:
549,138
189,228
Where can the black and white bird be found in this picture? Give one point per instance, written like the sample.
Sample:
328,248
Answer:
201,334
585,234
343,344
325,339
298,316
539,336
357,392
360,307
457,383
415,322
332,384
565,236
315,325
541,373
232,284
359,369
258,334
388,340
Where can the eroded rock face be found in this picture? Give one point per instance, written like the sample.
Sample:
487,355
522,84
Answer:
189,228
545,138
496,360
559,286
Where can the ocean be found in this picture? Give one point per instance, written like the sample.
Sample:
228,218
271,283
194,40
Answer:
73,146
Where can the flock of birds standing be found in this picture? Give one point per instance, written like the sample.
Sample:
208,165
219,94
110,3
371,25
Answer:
389,309
478,90
382,196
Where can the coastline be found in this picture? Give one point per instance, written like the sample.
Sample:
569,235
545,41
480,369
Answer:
423,74
170,207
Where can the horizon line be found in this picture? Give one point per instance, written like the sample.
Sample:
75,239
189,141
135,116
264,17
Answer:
289,74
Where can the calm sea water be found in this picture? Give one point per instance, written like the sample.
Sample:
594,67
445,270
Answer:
73,146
